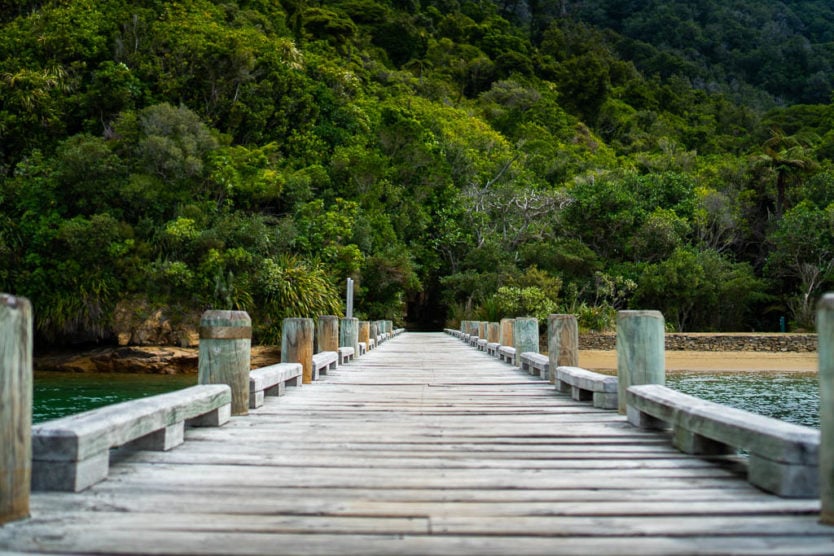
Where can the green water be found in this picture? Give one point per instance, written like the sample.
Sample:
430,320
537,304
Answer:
59,394
792,397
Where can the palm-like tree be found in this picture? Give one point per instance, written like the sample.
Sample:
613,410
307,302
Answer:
790,157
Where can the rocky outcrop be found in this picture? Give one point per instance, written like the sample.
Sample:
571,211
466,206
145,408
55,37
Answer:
136,323
145,359
801,343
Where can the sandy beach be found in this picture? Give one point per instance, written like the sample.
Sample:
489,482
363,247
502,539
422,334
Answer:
712,361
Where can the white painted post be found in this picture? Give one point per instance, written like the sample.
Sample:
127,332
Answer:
641,351
825,354
15,407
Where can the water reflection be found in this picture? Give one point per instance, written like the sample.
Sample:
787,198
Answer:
791,397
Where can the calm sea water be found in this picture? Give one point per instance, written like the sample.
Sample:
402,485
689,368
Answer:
792,397
59,394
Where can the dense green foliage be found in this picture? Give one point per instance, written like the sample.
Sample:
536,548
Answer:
452,157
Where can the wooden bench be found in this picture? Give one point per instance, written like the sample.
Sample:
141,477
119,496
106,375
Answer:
73,452
482,345
324,361
272,381
363,348
346,355
783,457
535,363
492,348
473,340
587,386
371,344
507,354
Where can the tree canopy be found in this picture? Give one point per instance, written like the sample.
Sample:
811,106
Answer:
455,159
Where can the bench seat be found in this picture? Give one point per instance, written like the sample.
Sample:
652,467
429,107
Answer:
73,452
324,361
535,363
492,348
585,386
482,345
507,354
272,381
346,354
783,457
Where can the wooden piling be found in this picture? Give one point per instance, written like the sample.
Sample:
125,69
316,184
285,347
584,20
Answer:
493,332
15,407
825,355
297,345
349,334
562,342
525,336
640,351
224,355
327,333
506,334
364,333
482,329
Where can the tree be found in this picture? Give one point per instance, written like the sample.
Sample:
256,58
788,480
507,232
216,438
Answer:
790,157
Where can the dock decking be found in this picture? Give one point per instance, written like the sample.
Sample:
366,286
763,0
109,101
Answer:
424,446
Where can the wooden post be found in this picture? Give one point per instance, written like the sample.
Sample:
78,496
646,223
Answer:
493,332
297,345
525,336
464,326
473,328
482,332
349,335
327,333
562,342
641,351
375,332
506,334
225,346
364,333
15,407
825,355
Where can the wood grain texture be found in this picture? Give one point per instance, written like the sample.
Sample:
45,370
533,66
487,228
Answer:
423,446
562,342
327,333
15,406
225,347
825,339
641,351
297,345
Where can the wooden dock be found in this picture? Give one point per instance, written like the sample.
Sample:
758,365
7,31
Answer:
424,446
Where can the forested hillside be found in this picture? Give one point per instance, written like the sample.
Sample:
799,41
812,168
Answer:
468,159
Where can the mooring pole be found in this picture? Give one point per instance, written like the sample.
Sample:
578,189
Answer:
349,299
15,407
224,355
825,355
641,351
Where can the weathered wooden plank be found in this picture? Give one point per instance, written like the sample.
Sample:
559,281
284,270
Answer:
15,406
425,446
